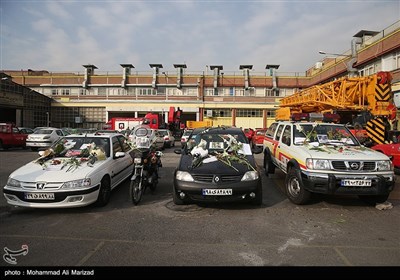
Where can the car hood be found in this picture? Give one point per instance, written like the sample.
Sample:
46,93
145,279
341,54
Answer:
188,163
33,172
343,152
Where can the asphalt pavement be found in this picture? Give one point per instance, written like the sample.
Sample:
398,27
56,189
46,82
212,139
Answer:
331,231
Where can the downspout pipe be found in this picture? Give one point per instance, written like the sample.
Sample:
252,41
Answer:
353,72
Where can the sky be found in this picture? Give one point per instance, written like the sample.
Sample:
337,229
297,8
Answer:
63,35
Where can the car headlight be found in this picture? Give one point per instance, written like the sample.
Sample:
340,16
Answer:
317,164
250,176
13,183
82,183
184,176
384,165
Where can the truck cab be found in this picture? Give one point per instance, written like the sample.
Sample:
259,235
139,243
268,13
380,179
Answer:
326,158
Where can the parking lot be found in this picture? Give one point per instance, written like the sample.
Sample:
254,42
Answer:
330,231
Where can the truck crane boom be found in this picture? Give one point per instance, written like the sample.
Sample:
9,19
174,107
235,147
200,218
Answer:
348,97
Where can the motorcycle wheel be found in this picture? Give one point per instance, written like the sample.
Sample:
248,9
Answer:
136,191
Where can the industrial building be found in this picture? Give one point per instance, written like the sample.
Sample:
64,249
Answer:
242,97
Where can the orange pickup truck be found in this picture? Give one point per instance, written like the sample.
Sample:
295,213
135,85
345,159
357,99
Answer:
10,136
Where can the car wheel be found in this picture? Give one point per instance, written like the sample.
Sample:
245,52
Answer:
295,189
373,199
269,166
104,192
3,146
177,200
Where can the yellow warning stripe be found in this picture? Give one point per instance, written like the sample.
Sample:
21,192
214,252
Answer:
383,92
376,130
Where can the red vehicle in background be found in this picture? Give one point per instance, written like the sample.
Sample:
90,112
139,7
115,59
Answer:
11,136
258,138
249,132
156,121
392,150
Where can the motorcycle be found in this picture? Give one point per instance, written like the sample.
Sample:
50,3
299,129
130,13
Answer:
147,161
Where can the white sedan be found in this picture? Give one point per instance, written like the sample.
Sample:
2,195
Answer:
77,170
44,137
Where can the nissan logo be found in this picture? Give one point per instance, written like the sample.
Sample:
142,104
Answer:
354,166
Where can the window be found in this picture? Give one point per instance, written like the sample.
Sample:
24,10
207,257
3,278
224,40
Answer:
279,132
65,91
219,112
116,145
124,144
146,91
271,130
249,113
286,137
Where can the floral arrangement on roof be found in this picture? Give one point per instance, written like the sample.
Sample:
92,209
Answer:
229,155
64,155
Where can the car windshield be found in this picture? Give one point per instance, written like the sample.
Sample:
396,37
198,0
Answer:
163,132
43,131
81,146
187,132
317,134
219,142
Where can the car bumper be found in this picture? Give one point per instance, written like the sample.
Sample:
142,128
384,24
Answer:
38,143
62,199
331,183
240,190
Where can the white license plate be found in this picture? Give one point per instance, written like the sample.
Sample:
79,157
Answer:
48,196
217,191
356,183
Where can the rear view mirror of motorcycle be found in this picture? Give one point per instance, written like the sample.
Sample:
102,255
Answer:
159,154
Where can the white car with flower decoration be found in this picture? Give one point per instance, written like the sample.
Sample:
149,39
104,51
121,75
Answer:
326,158
217,165
77,170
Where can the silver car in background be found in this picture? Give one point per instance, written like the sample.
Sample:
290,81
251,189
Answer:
44,137
169,139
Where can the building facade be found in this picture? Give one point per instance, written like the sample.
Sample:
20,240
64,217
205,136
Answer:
243,98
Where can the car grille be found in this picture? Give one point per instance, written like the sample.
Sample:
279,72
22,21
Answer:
354,165
45,186
223,178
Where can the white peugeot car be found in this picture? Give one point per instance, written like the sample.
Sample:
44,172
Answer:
44,137
77,170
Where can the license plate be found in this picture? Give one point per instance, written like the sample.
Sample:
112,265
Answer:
356,183
48,196
217,191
